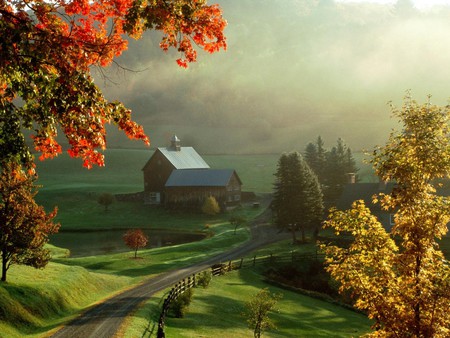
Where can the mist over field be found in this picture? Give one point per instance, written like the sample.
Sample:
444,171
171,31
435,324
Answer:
294,69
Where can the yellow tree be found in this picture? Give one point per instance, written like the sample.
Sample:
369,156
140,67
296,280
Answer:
404,285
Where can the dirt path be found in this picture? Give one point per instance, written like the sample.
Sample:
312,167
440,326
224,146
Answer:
105,319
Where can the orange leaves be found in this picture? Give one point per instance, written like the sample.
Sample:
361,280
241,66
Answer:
25,226
48,59
185,23
47,146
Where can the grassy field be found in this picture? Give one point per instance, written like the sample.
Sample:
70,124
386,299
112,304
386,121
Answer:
216,312
33,302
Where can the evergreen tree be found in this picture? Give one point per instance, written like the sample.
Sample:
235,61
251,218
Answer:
339,163
298,200
316,156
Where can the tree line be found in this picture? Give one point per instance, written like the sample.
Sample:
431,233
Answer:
305,185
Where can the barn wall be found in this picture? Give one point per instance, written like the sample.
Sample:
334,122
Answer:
156,172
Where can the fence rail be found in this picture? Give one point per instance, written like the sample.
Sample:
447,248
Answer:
222,268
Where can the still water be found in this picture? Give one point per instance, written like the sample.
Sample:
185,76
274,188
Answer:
90,243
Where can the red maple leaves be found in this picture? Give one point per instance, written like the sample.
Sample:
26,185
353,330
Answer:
50,47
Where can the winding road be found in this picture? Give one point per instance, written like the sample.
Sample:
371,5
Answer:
105,319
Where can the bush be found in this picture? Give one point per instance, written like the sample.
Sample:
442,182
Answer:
204,278
179,306
210,206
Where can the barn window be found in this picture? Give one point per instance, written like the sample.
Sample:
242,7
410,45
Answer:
237,197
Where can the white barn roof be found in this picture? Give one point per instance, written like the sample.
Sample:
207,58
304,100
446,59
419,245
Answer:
185,158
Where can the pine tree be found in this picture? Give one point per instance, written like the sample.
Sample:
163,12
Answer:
297,202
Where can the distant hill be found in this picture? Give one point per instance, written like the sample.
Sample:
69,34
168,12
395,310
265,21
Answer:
294,69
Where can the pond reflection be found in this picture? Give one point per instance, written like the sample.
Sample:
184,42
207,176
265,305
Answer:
90,243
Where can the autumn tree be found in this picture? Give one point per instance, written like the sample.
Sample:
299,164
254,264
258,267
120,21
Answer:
210,206
47,52
257,311
297,199
135,239
105,199
400,278
24,225
49,49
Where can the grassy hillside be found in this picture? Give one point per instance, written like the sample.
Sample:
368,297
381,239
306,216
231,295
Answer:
33,302
215,312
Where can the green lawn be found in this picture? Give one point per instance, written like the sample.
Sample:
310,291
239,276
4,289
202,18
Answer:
215,312
33,302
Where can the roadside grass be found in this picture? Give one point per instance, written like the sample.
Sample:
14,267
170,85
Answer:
216,312
33,302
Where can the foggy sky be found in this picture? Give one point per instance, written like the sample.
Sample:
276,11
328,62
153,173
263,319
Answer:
294,69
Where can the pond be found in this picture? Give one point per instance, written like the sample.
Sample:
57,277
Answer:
90,243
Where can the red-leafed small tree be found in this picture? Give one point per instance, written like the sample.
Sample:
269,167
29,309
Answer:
24,225
135,239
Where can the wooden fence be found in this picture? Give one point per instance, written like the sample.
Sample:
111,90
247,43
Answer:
222,268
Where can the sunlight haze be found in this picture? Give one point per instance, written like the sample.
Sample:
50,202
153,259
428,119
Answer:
293,70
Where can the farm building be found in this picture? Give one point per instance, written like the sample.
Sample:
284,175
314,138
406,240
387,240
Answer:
365,191
178,176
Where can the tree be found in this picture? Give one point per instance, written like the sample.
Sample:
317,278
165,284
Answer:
106,199
48,51
237,221
257,311
135,239
315,156
331,167
210,206
339,164
403,284
297,200
24,225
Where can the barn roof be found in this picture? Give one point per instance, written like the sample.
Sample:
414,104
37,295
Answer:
185,158
201,178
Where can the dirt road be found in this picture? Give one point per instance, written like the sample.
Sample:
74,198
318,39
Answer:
105,319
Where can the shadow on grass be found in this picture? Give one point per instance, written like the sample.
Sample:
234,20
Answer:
219,313
303,315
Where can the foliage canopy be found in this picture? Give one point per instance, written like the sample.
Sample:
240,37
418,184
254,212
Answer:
404,285
135,239
257,311
24,225
47,52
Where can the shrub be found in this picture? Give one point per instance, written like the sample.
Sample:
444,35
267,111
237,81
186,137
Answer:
210,206
204,278
179,306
